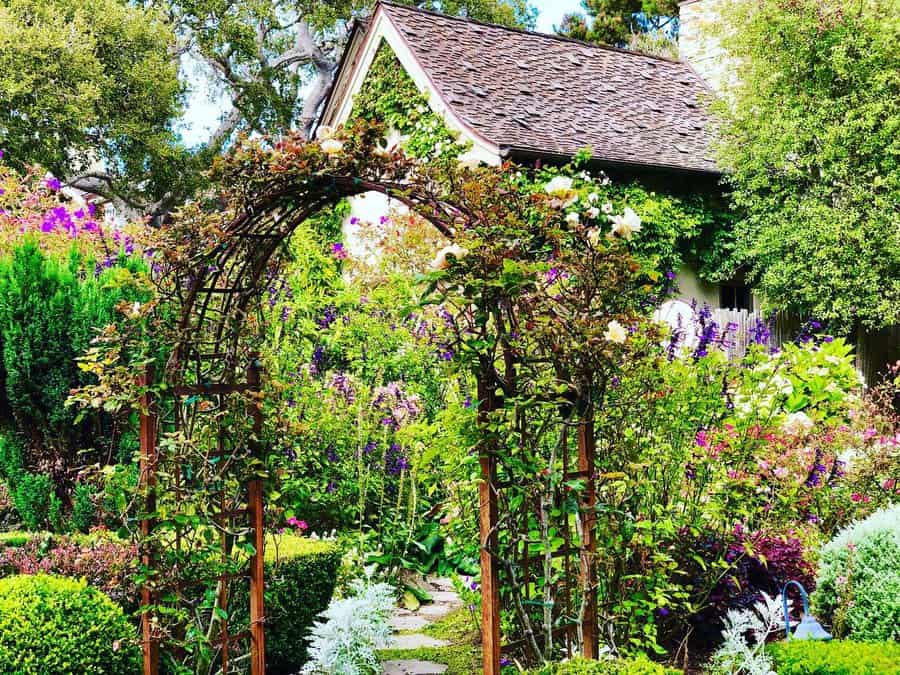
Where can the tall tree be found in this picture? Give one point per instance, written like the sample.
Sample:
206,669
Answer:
810,138
90,88
89,83
613,22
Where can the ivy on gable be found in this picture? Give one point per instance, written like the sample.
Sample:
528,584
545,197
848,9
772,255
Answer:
389,96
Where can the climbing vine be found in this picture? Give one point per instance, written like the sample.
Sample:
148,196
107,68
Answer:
390,97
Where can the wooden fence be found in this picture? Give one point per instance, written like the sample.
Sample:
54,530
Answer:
874,349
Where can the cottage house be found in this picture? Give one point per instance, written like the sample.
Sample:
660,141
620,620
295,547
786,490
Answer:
530,98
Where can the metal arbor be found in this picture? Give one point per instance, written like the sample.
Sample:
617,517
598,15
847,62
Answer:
203,432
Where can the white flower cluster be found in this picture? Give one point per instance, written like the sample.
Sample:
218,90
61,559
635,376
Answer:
562,189
330,145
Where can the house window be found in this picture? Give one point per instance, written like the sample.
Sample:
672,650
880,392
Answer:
735,296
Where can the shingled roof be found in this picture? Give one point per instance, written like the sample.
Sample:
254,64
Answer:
545,95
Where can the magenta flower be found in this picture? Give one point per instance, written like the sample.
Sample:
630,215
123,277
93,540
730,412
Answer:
338,251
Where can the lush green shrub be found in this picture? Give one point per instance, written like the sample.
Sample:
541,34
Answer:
635,666
802,657
84,512
62,626
300,579
36,502
51,306
858,583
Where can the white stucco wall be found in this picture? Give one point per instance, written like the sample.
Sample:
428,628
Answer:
691,287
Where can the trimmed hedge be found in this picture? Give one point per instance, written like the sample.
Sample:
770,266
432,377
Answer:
65,627
840,657
634,666
300,578
15,539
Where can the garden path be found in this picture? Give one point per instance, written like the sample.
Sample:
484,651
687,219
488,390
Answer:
407,625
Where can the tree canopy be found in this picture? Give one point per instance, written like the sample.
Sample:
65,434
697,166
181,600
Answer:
85,83
92,90
809,140
613,22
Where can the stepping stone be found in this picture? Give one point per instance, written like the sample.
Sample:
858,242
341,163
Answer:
413,668
415,641
406,622
445,598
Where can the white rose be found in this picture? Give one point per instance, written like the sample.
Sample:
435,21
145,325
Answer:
331,146
615,332
593,212
440,260
626,224
324,132
607,207
572,218
559,186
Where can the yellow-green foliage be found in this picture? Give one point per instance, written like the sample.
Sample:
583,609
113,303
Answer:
300,579
635,666
64,627
800,657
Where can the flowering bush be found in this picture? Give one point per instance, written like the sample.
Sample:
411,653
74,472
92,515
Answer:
107,563
858,581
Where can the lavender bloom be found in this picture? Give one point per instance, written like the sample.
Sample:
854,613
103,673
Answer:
317,364
341,384
761,332
328,317
395,405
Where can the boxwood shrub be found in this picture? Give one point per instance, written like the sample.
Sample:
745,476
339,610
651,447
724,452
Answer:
840,657
300,578
633,666
63,626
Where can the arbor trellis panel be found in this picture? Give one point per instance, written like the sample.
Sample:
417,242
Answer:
214,275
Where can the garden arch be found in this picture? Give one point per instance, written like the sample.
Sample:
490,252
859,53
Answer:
215,274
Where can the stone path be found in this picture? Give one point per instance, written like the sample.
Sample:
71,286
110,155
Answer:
407,623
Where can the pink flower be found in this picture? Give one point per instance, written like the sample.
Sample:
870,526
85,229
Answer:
702,440
889,484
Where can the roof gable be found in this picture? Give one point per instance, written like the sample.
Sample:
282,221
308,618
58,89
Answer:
529,93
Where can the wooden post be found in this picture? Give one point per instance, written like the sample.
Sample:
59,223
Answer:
149,459
487,518
588,553
257,522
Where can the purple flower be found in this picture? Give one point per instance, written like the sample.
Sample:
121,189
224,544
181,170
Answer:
331,487
53,184
331,454
337,250
662,611
328,317
341,384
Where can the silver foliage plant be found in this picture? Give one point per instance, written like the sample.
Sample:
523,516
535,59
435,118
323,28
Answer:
745,635
354,627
